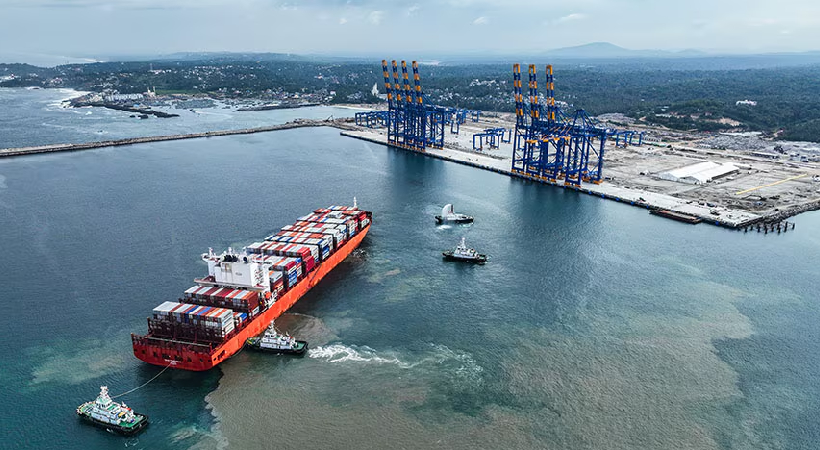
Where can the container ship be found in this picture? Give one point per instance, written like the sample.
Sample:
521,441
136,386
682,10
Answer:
246,290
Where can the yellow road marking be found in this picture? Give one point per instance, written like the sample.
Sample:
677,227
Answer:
772,184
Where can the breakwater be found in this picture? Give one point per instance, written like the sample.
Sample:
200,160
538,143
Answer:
275,107
735,219
117,107
299,123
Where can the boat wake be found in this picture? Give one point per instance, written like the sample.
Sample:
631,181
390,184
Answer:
461,366
337,353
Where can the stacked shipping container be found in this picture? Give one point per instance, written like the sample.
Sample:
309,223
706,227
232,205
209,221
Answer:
186,321
339,236
236,299
287,268
323,243
307,253
210,313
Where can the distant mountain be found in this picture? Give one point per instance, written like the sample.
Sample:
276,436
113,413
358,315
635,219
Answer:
605,50
41,59
240,56
229,56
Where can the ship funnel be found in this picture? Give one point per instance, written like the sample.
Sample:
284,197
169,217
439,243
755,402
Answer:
355,205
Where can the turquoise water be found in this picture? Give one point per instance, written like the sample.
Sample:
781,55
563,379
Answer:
38,117
594,325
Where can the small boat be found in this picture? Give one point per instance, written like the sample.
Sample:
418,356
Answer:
275,342
447,215
114,417
464,253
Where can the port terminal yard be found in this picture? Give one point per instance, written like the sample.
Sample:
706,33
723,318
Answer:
763,190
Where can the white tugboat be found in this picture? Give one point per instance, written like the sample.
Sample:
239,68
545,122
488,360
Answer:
448,215
273,341
114,417
464,253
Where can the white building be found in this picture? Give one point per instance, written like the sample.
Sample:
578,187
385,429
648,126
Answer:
699,173
746,102
123,97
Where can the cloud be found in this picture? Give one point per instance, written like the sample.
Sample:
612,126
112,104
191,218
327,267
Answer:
342,20
411,11
108,5
483,20
572,17
375,17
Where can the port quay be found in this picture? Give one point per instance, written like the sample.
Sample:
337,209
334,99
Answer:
457,151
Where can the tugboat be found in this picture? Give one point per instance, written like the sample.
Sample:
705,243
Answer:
114,417
274,342
464,253
447,215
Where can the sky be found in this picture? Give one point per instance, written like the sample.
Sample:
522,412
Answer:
95,28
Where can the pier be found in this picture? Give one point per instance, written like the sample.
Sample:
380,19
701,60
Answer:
674,208
671,207
51,148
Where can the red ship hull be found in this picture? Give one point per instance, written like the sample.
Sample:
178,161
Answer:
199,357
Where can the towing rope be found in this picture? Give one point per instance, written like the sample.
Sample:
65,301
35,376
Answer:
144,384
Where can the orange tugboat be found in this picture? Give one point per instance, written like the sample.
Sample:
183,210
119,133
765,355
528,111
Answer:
245,291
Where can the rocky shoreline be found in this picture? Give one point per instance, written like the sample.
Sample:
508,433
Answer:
119,107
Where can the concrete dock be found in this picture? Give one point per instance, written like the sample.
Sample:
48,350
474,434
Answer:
719,204
708,213
299,123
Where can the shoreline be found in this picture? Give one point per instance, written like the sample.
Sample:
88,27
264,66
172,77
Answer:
124,108
651,201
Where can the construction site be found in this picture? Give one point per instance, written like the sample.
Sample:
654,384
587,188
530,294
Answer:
738,181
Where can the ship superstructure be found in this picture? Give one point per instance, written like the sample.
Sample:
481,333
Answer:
246,289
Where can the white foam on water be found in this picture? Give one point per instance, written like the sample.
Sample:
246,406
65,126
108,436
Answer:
212,112
441,358
338,353
65,96
68,94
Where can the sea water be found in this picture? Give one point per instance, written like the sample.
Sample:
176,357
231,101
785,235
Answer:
593,325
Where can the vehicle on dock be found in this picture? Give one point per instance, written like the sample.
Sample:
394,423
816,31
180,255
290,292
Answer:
273,341
448,215
114,417
464,254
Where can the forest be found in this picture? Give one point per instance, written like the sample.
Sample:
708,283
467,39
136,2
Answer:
787,98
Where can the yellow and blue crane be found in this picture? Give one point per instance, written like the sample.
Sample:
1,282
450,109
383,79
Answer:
412,122
549,144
